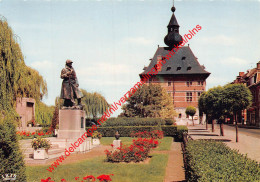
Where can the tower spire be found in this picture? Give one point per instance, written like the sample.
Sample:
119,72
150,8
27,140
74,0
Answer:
173,37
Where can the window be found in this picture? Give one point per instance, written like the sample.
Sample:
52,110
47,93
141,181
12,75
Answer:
201,82
189,68
169,83
178,68
180,115
183,58
189,83
199,93
189,96
198,82
168,68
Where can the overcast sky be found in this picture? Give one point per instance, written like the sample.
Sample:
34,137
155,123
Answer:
111,41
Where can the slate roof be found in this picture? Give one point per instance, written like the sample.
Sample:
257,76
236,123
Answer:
183,58
173,22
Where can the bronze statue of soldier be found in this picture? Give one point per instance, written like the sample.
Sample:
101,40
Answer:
69,89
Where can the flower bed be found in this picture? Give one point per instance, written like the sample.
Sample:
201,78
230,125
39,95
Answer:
214,161
156,134
136,152
90,178
28,135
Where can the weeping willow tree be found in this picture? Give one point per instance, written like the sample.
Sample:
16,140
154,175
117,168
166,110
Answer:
94,104
16,79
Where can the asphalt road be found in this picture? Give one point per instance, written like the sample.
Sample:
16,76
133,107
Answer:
246,131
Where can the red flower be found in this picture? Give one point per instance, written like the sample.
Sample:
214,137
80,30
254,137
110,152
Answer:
63,180
112,145
46,180
104,177
92,178
76,178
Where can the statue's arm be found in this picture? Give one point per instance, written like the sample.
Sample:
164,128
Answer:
64,74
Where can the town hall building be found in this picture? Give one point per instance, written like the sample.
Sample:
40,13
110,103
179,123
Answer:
181,76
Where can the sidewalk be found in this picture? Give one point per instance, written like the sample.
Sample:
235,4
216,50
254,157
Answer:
247,144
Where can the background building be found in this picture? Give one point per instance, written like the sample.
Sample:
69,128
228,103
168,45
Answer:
252,80
182,75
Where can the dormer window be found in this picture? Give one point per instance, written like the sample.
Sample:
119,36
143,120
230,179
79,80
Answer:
168,68
189,68
178,68
183,58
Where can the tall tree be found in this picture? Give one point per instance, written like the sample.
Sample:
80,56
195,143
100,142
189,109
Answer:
16,79
191,111
94,104
149,101
11,157
237,98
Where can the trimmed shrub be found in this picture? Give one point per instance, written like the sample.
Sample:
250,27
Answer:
11,157
214,161
169,121
156,134
125,131
132,122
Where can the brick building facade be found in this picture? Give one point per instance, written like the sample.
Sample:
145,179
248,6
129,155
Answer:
252,80
182,75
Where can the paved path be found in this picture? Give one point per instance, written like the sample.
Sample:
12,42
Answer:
175,167
249,143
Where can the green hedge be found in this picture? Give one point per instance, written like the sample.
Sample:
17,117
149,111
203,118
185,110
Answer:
125,131
133,122
214,161
174,131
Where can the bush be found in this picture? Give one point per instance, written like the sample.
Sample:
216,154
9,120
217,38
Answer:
136,152
156,134
125,131
96,134
169,121
214,161
132,122
38,143
11,157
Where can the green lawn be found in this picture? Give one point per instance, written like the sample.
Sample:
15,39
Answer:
152,172
164,145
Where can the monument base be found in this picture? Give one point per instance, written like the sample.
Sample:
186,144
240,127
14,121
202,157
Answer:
116,144
71,124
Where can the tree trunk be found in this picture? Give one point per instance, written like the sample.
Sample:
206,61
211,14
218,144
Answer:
213,127
221,129
192,121
207,127
236,132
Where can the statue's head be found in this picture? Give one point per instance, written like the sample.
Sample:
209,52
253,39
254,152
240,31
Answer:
69,62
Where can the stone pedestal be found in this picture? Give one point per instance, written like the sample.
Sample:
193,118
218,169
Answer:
71,124
116,144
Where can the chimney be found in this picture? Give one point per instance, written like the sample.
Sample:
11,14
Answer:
241,74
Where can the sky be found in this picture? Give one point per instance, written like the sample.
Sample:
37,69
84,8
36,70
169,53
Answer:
110,41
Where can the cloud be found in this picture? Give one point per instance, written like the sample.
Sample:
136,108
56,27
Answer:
222,40
139,40
104,68
39,65
234,61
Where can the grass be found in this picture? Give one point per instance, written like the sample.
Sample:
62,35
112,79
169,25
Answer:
152,172
164,145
